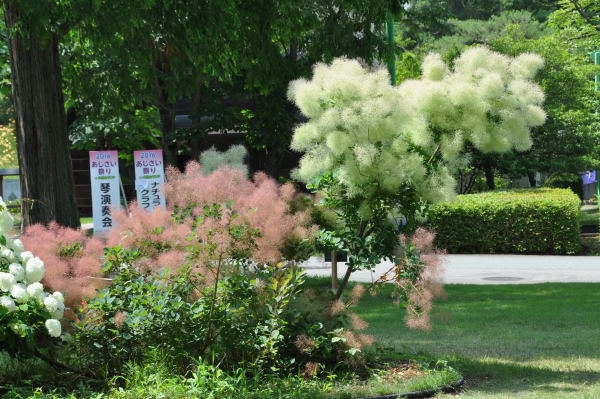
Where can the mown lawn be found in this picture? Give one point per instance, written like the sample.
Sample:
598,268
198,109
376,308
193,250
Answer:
510,341
589,217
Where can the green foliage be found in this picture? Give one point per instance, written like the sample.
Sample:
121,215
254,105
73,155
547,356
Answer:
515,221
580,21
136,314
367,240
246,316
480,31
8,147
568,141
211,159
566,180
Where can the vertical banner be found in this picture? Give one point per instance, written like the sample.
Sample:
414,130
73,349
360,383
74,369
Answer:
104,172
149,177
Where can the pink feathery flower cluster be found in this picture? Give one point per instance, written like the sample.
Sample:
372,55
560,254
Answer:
72,260
429,285
261,207
160,239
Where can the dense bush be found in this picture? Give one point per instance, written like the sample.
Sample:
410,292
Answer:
247,315
566,180
539,220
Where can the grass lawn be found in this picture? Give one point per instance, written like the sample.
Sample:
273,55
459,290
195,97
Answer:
510,341
86,220
589,217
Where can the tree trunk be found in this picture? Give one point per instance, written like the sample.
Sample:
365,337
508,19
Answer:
41,125
166,109
489,176
531,177
167,125
334,270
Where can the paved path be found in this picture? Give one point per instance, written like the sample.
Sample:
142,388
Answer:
492,269
488,269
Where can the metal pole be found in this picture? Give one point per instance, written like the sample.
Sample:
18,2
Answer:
596,55
597,62
123,194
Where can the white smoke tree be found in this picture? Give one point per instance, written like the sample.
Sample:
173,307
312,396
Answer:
377,151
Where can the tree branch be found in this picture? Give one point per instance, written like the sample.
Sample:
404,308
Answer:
584,15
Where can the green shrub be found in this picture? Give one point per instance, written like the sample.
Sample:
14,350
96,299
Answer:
542,220
247,315
566,180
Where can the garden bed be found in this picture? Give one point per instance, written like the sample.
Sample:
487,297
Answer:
390,379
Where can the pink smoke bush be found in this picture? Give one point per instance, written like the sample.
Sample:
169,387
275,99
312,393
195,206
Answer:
210,220
72,260
159,238
417,277
260,209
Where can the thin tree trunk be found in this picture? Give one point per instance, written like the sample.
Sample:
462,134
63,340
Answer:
334,270
167,125
41,125
166,109
344,283
489,176
531,177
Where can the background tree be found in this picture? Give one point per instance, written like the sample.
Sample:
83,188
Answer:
128,64
234,74
34,32
568,141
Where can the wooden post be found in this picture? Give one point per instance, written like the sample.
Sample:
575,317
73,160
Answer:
334,270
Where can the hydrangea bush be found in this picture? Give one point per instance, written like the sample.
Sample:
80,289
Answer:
27,311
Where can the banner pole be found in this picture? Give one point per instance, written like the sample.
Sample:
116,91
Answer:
123,194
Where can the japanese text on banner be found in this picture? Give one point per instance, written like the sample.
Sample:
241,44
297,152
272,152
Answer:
104,173
149,178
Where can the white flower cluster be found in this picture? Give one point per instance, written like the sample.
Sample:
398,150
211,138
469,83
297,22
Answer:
213,159
20,276
375,136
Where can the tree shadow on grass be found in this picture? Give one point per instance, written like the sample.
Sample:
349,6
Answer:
503,377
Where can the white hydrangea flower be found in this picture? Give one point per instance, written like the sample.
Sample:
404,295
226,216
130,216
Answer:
17,270
16,245
7,253
8,303
35,290
7,281
6,219
25,256
19,292
53,327
34,270
59,312
51,304
58,296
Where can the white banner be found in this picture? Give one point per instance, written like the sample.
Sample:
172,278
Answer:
149,177
104,172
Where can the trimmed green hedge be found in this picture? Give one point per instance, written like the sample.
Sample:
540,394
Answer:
540,220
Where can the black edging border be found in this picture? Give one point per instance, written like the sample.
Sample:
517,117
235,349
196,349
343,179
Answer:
422,394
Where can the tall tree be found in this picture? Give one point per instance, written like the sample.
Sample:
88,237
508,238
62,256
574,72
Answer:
232,60
128,65
35,29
